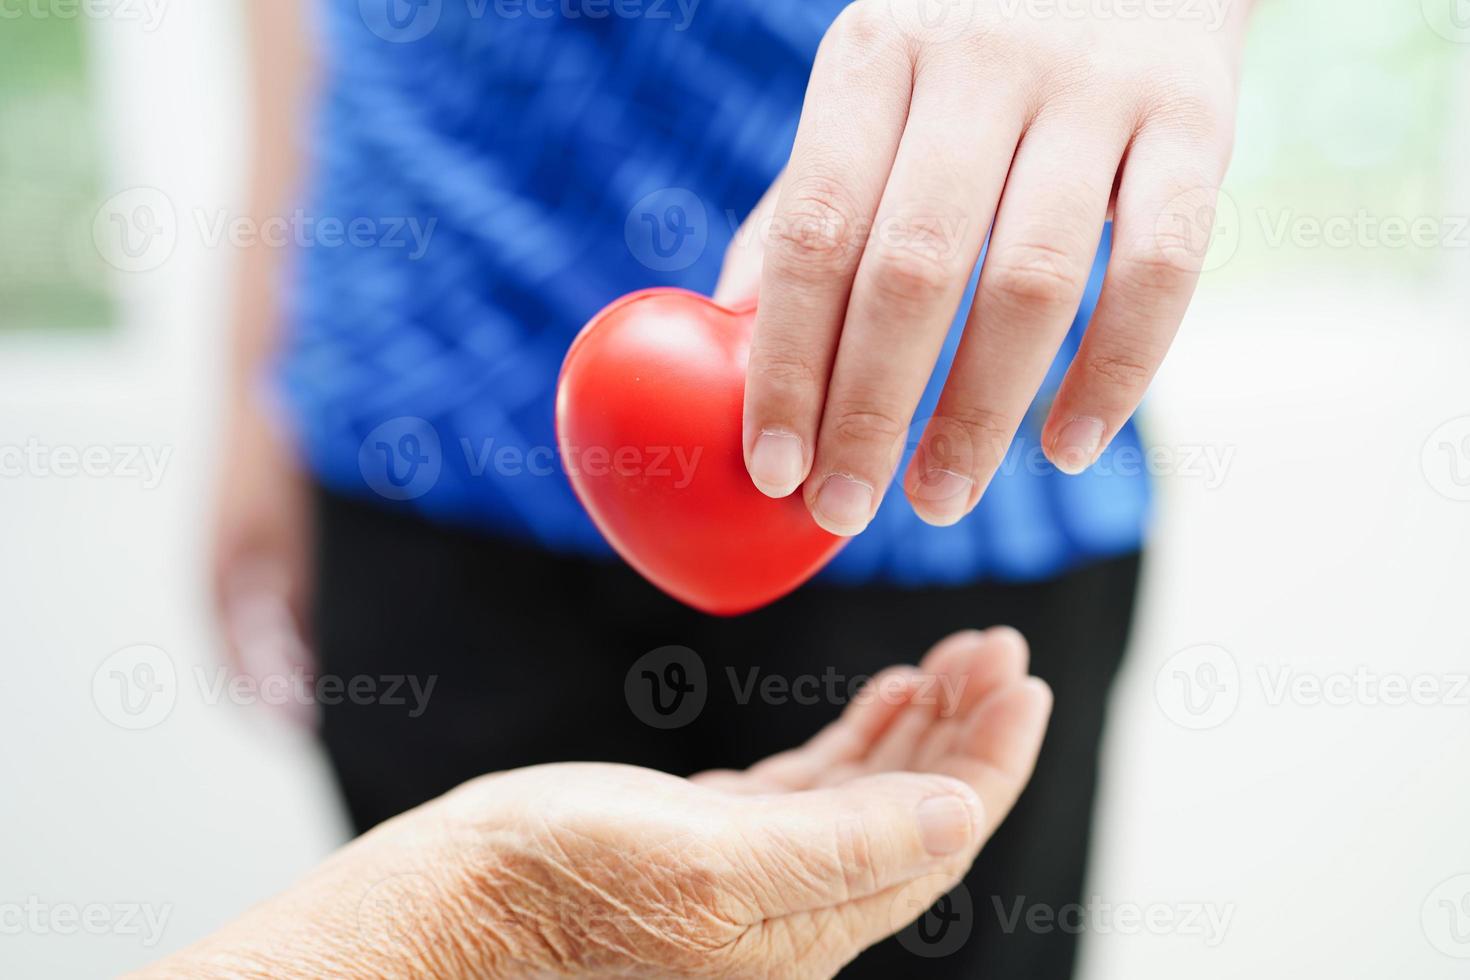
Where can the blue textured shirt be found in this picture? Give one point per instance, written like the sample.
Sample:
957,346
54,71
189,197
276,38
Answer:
498,171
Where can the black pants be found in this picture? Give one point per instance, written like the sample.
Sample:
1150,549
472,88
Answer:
531,652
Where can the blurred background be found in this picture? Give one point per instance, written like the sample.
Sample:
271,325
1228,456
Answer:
1286,771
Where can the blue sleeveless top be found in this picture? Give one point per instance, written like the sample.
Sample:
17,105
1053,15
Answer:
492,173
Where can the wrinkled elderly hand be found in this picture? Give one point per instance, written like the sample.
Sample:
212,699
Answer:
789,869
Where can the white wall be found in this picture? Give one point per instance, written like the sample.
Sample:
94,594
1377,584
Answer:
1319,824
210,810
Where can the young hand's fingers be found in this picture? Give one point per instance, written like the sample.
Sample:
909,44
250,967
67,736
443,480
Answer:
856,103
1036,268
934,216
1164,218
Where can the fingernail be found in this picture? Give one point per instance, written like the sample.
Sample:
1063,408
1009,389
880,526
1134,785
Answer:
1077,445
942,495
945,824
775,463
844,505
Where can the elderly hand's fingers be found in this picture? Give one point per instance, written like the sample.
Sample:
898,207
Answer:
932,702
952,679
899,745
1001,660
896,842
826,847
954,676
838,746
731,781
856,104
996,748
936,210
1041,251
1164,219
975,663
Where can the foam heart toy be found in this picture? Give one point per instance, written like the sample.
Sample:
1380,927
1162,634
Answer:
648,415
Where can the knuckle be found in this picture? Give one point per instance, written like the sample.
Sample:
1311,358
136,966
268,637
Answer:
971,434
1121,369
787,369
1168,264
913,272
985,421
866,43
814,235
862,25
1035,274
1185,114
867,426
1189,108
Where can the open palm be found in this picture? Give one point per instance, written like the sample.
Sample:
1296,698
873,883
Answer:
968,710
788,869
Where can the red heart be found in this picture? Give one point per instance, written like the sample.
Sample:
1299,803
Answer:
648,414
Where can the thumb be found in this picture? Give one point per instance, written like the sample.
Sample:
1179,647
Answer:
832,847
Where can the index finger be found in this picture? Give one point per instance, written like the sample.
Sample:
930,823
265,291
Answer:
854,114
